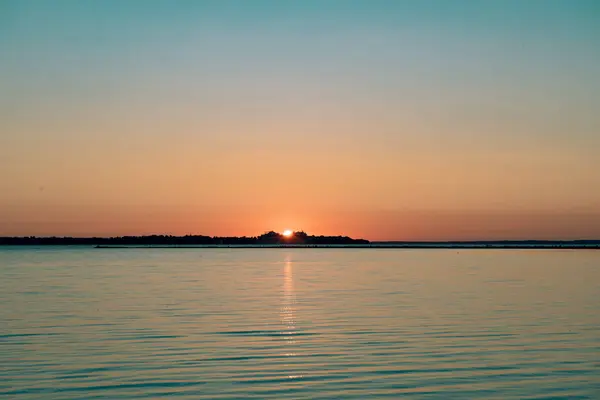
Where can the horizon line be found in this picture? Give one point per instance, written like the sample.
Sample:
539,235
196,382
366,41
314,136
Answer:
338,235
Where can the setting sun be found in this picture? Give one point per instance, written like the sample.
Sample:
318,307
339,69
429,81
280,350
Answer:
287,233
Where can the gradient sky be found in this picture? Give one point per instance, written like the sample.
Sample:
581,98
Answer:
404,120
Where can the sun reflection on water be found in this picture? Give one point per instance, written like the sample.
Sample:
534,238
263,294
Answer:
288,317
288,312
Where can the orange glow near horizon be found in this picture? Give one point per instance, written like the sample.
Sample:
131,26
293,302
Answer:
366,223
443,132
287,233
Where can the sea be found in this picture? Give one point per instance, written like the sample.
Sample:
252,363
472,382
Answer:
85,323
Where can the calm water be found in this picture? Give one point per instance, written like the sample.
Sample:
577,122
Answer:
299,324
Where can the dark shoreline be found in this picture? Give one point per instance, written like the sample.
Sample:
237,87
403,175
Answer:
297,240
595,246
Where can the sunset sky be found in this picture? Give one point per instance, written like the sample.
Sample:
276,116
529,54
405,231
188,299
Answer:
388,120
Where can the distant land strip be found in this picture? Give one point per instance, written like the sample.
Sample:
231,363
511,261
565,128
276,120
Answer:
290,239
376,245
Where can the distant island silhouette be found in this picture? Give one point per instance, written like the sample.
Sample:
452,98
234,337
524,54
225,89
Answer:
298,239
268,238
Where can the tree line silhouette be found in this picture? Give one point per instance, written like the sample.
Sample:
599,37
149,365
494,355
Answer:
270,237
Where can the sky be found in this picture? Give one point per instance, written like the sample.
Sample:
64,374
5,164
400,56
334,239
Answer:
381,119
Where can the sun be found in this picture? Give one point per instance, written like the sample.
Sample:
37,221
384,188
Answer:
287,233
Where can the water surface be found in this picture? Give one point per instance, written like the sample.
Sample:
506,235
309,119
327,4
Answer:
81,323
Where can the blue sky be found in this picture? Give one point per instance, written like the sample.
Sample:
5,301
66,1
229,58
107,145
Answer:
455,105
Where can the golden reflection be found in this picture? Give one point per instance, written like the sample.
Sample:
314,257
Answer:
288,312
288,317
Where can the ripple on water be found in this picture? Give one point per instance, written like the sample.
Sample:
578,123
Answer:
301,324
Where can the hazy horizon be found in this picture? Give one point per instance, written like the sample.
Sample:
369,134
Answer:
384,120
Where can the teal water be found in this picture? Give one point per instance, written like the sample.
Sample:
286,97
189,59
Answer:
299,324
